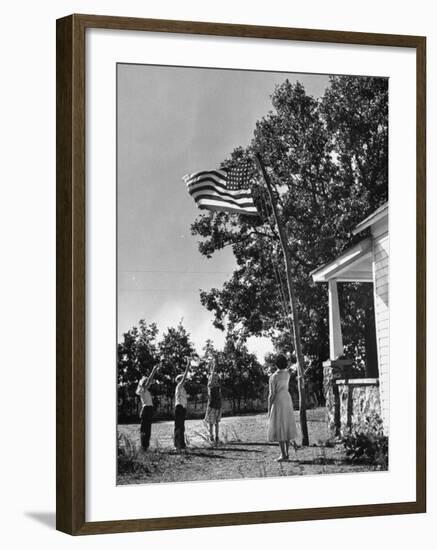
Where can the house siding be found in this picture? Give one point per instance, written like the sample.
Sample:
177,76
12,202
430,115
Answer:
382,318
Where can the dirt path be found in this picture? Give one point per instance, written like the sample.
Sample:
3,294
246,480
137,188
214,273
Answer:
242,453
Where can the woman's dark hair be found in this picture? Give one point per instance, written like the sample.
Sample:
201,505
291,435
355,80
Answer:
281,362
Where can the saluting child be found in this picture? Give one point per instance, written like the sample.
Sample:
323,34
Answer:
181,403
146,414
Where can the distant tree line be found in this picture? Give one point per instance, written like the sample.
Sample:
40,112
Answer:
242,376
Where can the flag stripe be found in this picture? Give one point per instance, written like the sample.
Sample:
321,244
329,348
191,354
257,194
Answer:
216,202
219,174
210,205
226,201
235,195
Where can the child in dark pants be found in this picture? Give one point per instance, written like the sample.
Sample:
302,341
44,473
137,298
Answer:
180,412
146,414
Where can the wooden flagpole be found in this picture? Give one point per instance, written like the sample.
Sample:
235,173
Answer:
293,303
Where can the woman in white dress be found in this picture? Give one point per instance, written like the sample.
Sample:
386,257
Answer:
282,425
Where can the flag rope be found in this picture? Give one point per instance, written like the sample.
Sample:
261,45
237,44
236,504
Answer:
273,261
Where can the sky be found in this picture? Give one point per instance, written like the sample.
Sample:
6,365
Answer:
172,121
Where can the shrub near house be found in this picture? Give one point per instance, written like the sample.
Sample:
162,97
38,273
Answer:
366,443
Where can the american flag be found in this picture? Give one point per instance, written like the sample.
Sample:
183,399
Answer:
226,189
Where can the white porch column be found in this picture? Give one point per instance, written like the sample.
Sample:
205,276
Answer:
335,336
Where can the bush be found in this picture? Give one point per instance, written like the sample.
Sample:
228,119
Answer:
366,443
129,459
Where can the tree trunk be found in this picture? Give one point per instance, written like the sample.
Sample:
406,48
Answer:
293,306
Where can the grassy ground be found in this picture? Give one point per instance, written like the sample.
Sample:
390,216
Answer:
242,453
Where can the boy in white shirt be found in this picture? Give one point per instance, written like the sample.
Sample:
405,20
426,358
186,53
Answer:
181,402
146,414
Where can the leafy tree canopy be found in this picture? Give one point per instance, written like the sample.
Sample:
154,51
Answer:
137,353
174,347
328,161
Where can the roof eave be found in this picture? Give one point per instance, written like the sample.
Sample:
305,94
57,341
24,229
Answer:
375,217
348,258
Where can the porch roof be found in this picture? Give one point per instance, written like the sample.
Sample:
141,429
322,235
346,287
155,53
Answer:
379,214
354,265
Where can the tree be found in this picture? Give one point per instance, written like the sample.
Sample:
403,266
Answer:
355,111
137,353
136,356
198,380
242,374
327,160
174,347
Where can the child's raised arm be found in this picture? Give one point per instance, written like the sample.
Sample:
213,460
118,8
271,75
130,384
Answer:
187,368
152,375
214,365
141,385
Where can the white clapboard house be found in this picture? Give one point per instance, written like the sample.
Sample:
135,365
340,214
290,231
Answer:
367,261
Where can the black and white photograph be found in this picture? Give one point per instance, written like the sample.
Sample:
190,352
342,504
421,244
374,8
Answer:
252,274
218,275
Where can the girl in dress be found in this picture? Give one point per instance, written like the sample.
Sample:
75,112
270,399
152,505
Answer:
213,413
282,425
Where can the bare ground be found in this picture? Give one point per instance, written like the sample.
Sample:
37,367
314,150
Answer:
242,453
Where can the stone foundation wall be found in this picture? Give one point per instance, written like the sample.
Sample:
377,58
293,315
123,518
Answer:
357,399
332,371
348,400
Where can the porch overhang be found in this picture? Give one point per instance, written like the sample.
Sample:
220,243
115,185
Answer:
380,215
354,265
